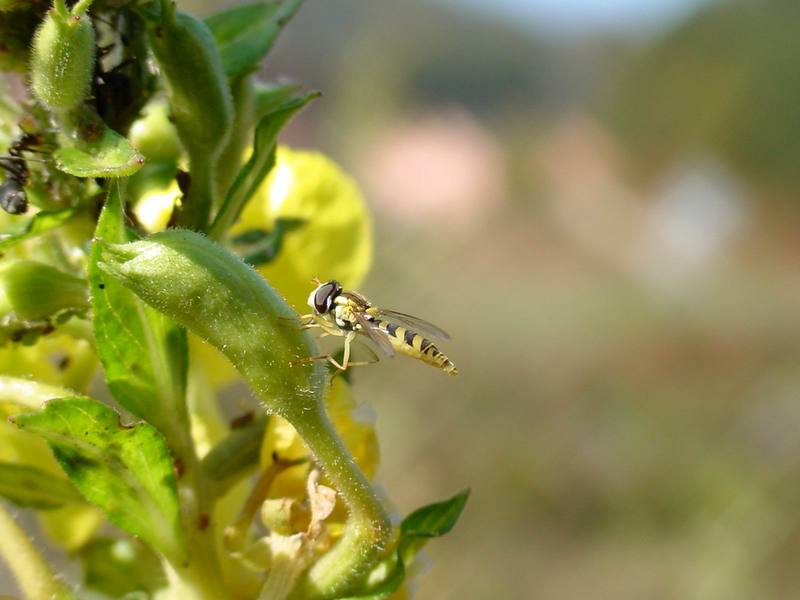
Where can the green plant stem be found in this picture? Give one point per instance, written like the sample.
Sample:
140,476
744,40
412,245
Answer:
232,156
367,531
32,573
201,578
196,206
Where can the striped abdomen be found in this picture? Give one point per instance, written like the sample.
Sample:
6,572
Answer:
405,341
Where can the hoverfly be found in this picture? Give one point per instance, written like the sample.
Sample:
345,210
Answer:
345,313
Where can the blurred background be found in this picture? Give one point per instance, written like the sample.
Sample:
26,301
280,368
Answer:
599,201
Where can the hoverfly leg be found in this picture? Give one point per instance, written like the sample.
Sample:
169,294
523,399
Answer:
302,322
308,360
348,339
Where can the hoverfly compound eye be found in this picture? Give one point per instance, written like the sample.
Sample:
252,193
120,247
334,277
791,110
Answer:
323,297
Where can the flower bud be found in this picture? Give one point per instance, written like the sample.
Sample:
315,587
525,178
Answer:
196,85
154,134
219,298
34,290
62,58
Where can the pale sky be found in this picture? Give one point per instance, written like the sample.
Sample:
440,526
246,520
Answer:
577,17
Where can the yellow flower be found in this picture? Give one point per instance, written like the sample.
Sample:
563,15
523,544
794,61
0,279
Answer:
335,240
156,203
54,359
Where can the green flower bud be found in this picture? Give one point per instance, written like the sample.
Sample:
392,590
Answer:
34,290
154,134
201,104
198,92
223,301
62,58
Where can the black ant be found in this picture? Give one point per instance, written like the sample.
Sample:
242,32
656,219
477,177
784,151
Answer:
12,193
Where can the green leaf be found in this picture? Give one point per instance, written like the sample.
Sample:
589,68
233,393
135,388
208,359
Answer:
126,470
30,487
258,247
260,163
107,155
118,567
428,522
270,96
144,354
244,34
416,529
235,456
40,223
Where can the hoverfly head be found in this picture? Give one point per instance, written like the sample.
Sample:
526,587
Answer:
321,299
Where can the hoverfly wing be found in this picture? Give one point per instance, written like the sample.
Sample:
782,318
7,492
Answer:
380,337
416,324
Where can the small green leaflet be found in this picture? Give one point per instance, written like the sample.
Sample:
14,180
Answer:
38,224
259,165
416,529
258,247
270,96
144,354
110,155
126,470
244,34
234,457
116,567
30,487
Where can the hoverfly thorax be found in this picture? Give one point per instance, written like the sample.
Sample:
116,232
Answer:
321,299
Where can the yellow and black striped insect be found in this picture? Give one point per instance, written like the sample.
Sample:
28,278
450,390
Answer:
344,313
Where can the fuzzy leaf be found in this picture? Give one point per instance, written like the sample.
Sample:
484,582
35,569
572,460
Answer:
258,247
119,567
144,354
260,163
244,34
126,470
28,486
40,223
110,155
416,529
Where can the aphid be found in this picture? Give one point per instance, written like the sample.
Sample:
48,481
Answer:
12,193
347,314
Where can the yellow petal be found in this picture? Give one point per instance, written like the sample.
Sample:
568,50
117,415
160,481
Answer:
71,526
335,242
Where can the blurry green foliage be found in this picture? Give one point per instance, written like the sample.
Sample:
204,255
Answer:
724,82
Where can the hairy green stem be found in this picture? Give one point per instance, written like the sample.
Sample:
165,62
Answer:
196,206
201,578
368,529
33,575
232,156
